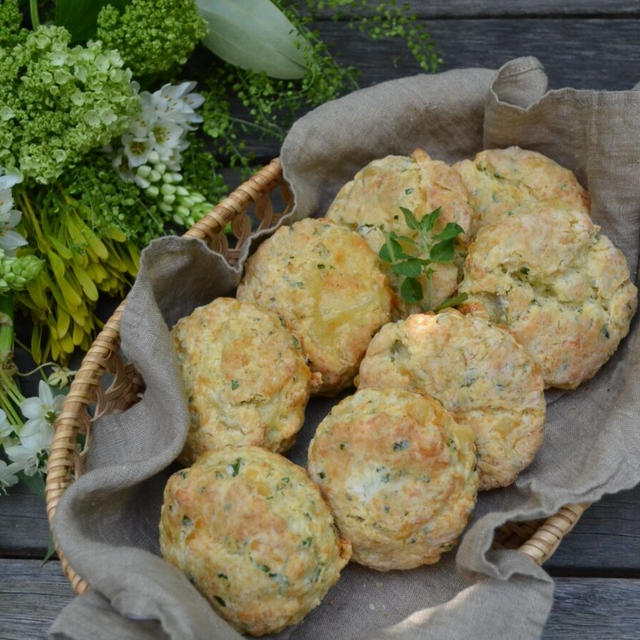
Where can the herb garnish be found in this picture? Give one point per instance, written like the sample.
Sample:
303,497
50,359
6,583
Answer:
427,249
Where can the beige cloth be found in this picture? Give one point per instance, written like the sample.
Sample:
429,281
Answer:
106,522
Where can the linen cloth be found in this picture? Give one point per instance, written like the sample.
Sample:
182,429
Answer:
106,523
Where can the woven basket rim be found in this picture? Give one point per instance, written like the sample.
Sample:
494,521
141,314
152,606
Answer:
540,546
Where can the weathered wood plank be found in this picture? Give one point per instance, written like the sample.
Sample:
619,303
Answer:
563,46
24,528
513,8
567,48
594,609
31,597
605,541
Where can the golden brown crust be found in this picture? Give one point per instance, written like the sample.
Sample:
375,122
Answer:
252,532
478,372
247,383
399,475
325,283
370,204
560,287
499,180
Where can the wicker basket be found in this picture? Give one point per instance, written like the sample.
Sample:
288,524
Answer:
88,399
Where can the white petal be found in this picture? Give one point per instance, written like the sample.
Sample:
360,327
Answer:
45,393
11,240
25,459
36,435
194,100
9,180
14,217
7,474
31,408
5,426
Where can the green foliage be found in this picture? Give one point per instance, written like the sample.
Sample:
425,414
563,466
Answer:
79,17
255,35
201,171
107,202
387,19
429,248
153,36
57,103
269,105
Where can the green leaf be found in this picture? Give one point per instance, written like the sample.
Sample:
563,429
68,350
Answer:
412,268
410,219
79,17
406,239
427,222
391,250
51,549
450,231
34,483
411,291
442,251
255,35
451,302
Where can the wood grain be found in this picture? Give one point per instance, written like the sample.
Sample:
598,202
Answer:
24,528
31,597
594,609
605,542
513,8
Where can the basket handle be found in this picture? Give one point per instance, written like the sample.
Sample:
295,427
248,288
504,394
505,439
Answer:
543,543
237,202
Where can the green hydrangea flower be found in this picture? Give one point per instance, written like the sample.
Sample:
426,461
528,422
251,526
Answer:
153,36
58,102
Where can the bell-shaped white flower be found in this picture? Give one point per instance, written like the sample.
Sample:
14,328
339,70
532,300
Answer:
25,459
41,410
137,149
167,136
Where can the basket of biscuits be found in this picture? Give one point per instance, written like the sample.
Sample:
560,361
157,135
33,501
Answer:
450,297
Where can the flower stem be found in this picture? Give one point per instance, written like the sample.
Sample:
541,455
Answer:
33,10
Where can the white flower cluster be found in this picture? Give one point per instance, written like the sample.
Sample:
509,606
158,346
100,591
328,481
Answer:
10,240
27,446
151,153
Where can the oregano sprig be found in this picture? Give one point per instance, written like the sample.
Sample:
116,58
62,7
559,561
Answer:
428,249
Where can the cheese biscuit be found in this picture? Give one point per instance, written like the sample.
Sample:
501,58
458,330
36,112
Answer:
325,283
252,532
399,475
246,379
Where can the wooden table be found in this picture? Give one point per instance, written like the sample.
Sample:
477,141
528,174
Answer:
582,43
